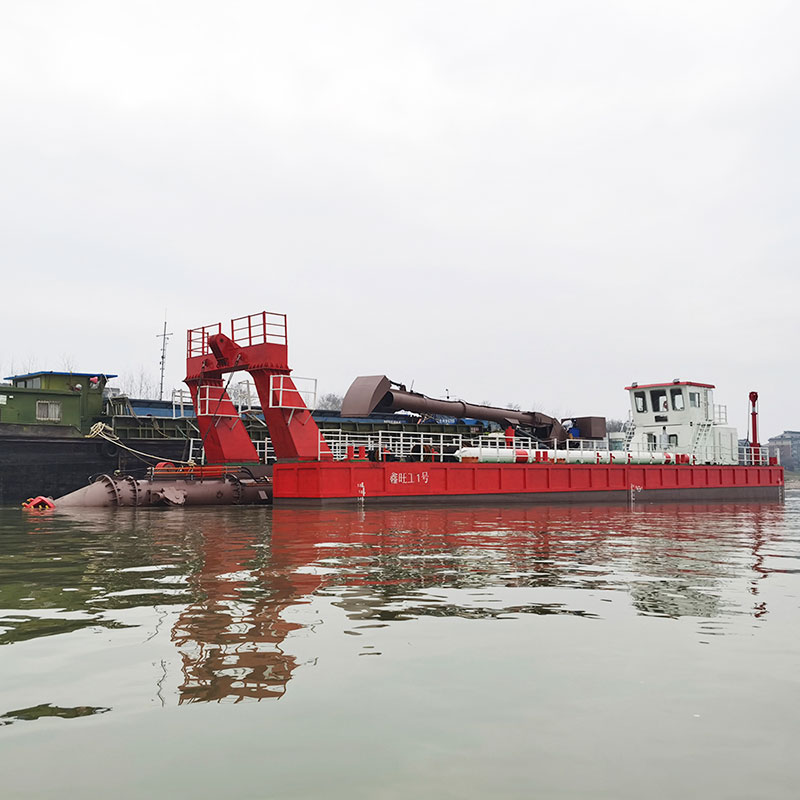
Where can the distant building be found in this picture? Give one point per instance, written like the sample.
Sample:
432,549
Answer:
787,447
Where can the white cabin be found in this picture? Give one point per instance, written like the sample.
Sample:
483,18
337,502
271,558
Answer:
680,417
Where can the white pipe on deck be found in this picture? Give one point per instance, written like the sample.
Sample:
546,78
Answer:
510,455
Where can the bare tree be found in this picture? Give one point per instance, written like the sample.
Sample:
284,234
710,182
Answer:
330,402
244,393
614,425
140,384
28,365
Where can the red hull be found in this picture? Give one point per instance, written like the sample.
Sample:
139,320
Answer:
347,480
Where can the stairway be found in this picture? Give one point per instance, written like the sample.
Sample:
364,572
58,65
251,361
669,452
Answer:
630,429
700,440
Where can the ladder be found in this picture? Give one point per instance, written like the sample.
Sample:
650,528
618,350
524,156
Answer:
196,451
630,429
700,438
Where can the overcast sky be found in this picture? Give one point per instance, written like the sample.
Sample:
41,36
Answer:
521,202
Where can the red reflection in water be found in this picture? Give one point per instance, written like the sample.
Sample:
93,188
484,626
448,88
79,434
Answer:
536,531
230,643
231,639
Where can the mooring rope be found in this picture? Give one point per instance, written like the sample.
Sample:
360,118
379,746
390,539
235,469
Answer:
102,431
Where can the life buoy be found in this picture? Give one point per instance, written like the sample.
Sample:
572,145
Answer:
38,503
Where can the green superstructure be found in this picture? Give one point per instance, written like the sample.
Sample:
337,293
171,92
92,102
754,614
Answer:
52,403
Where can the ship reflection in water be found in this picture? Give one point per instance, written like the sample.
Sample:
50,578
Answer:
226,602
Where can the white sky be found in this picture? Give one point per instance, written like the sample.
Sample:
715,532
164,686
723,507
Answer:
517,201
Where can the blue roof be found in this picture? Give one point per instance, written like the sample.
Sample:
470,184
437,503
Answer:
53,372
142,410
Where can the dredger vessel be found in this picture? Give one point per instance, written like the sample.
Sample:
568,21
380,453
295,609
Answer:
676,445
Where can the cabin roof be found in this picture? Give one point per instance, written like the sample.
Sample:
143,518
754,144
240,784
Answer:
670,383
56,372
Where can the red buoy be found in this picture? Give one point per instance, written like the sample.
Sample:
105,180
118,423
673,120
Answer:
38,503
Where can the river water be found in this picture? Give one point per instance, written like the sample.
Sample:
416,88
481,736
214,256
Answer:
547,652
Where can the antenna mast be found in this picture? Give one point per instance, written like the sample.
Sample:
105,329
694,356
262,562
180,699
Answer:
164,339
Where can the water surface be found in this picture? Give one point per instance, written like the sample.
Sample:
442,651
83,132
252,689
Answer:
555,652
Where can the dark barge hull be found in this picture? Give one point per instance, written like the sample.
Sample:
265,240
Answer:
55,466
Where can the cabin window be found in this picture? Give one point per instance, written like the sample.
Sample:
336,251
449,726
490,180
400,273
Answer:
48,411
694,399
677,399
651,441
658,400
673,440
641,402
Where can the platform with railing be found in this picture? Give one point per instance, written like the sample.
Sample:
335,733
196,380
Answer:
265,327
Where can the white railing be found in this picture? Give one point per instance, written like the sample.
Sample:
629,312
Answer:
720,414
296,394
414,446
265,450
756,456
584,444
243,395
266,453
213,401
398,445
424,446
181,402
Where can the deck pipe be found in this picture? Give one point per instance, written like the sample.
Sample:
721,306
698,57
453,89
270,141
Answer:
512,455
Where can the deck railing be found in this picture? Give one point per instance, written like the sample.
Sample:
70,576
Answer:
413,446
266,453
292,392
182,405
425,446
397,445
757,456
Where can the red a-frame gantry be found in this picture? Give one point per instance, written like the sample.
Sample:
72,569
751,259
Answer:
258,345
